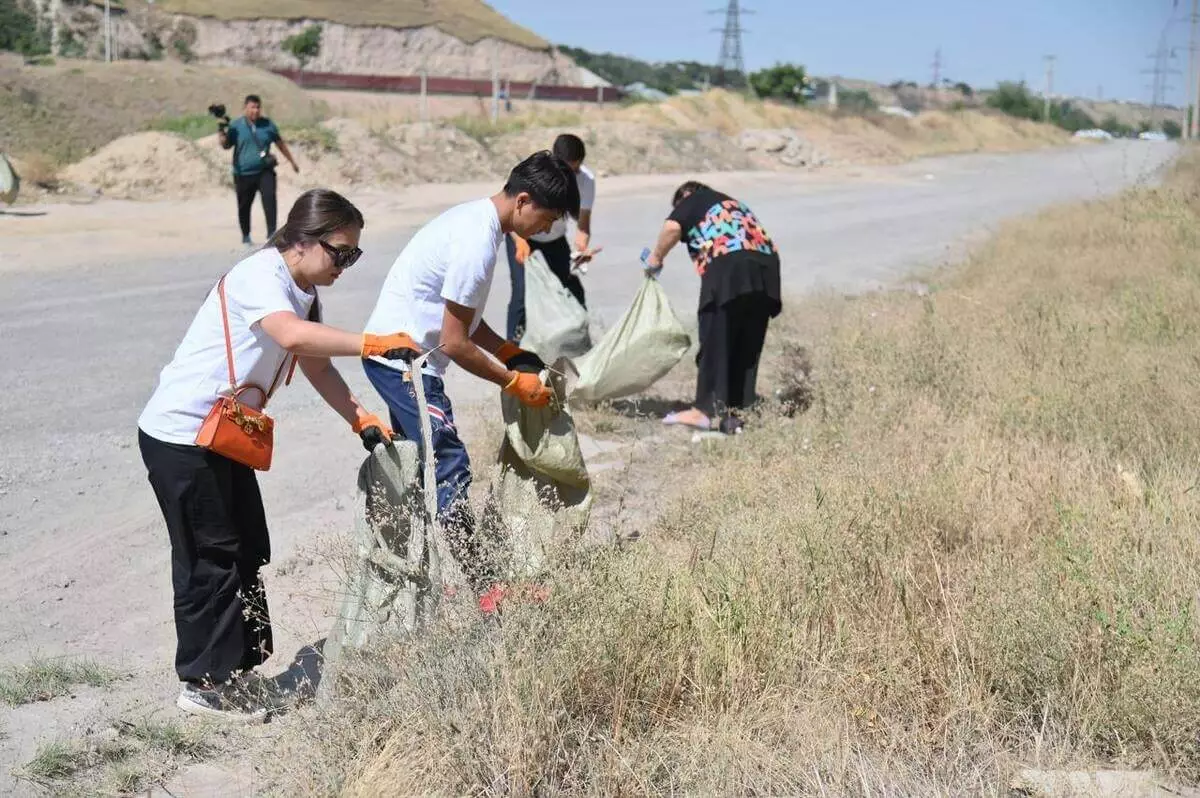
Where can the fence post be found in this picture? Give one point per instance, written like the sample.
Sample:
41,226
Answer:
424,96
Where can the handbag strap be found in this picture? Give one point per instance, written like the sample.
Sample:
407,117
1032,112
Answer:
229,353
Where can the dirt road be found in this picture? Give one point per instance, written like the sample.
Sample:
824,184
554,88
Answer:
97,297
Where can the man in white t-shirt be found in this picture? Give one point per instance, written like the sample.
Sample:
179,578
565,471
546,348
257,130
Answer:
553,245
437,290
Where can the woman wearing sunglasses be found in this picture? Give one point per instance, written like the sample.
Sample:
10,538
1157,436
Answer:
255,326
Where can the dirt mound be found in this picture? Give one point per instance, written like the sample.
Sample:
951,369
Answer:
149,166
347,153
632,147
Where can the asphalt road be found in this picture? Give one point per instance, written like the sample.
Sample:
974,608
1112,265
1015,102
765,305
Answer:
84,554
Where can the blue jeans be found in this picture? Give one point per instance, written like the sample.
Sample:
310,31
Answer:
452,465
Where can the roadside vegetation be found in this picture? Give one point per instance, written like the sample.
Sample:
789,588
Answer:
975,551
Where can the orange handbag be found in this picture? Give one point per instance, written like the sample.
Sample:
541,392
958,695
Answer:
233,429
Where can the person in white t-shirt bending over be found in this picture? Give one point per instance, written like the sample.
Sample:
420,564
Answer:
553,244
437,290
212,506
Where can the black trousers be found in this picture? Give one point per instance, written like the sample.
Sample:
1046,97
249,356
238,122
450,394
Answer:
218,530
558,258
731,340
249,185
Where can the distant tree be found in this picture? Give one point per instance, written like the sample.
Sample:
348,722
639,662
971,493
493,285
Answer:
670,77
1070,118
304,46
1172,128
1116,126
20,32
183,39
1016,100
781,82
964,89
856,101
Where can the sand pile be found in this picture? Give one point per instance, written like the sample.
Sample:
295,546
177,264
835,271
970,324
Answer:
149,166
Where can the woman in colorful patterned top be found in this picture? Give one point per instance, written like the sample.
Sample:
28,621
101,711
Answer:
739,295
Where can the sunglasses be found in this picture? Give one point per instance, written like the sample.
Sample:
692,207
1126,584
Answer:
343,257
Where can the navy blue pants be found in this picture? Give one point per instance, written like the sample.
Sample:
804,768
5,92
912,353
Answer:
558,258
452,467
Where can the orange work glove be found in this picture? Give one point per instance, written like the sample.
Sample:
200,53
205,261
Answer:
528,388
372,430
515,358
522,248
397,346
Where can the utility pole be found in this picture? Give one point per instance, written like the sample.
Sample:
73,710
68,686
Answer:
1050,59
107,32
937,70
1159,86
731,59
496,81
1191,124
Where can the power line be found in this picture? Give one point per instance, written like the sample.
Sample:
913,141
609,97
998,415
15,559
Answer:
731,60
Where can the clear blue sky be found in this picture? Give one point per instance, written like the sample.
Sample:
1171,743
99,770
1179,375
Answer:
1099,43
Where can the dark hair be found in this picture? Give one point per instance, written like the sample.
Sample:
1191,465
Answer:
690,187
570,148
549,182
316,214
252,98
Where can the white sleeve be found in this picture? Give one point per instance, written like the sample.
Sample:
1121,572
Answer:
587,192
468,271
255,291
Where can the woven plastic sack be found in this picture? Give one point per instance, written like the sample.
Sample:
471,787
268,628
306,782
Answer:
556,325
10,181
543,495
386,583
635,353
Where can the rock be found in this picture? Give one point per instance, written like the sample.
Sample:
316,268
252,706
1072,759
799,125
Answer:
769,141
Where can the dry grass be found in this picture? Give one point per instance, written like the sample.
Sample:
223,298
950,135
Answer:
975,550
469,20
126,759
46,679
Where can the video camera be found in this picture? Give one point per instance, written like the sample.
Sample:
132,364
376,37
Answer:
219,112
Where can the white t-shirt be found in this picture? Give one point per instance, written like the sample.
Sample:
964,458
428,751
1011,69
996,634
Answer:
452,258
198,374
587,197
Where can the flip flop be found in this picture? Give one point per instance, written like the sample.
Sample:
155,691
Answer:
674,420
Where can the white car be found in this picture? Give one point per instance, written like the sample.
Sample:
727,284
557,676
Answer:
1153,135
1095,133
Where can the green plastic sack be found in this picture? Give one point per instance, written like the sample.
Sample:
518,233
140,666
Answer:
556,325
636,353
543,495
10,181
387,583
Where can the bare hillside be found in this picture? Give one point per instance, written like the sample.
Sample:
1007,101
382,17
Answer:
468,20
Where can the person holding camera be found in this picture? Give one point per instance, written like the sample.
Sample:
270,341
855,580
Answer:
250,136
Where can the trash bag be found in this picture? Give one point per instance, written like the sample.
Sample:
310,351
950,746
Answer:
387,583
10,181
634,354
556,325
543,495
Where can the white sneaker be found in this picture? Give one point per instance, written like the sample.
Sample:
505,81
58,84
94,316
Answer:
231,703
